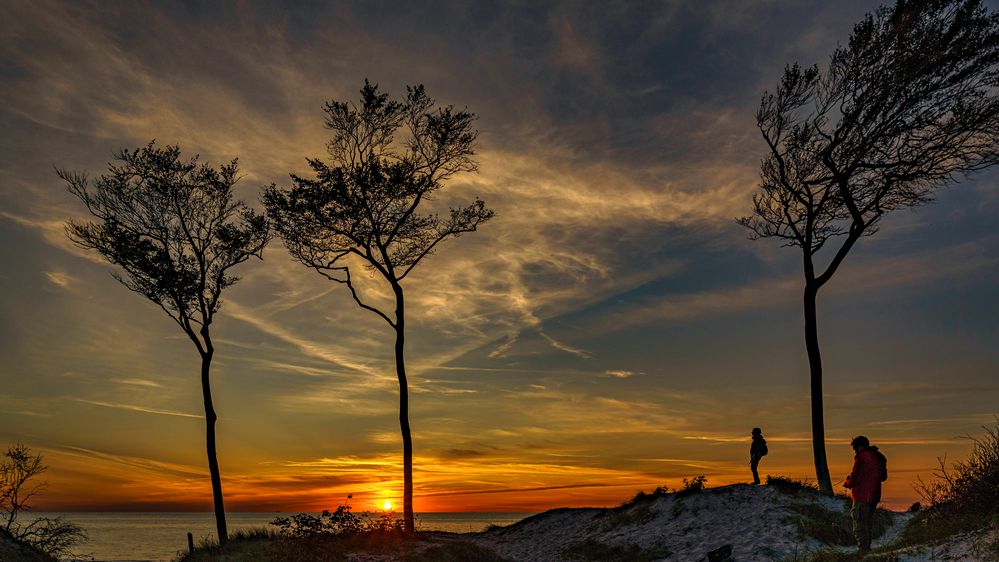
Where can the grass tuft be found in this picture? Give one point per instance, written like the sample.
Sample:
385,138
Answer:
791,487
591,550
833,527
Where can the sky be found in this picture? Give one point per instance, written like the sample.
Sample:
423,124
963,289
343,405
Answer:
611,330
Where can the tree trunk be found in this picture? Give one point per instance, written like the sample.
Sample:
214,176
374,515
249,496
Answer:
407,438
213,462
815,367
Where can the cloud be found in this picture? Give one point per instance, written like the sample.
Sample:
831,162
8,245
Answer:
620,374
305,346
135,408
60,279
566,348
138,382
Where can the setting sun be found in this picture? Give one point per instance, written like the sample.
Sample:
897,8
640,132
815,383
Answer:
387,506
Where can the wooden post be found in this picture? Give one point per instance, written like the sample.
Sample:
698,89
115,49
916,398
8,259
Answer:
190,542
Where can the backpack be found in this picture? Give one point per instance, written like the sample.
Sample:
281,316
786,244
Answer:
760,446
883,463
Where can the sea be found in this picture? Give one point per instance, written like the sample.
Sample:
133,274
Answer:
162,537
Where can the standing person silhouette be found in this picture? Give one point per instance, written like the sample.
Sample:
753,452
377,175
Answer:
756,452
864,482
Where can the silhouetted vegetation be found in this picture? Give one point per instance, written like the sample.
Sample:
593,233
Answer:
907,106
336,523
691,486
963,498
362,209
19,469
643,496
176,230
971,485
638,510
13,550
338,537
687,487
790,486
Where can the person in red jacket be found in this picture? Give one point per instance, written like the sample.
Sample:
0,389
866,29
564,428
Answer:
864,482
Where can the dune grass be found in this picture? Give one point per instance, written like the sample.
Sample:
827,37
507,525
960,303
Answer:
261,545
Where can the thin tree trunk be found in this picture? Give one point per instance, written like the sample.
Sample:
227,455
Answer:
407,438
213,462
815,367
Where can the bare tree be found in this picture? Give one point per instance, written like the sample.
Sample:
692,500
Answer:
18,485
363,207
907,106
176,230
16,469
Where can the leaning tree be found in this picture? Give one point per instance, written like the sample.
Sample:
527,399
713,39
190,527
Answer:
363,207
176,230
909,105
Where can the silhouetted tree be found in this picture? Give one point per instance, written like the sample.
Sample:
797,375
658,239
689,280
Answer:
19,468
364,205
907,106
176,230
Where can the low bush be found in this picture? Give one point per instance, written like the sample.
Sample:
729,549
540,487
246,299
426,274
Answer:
56,537
692,486
833,527
970,486
932,526
341,522
790,486
962,498
643,496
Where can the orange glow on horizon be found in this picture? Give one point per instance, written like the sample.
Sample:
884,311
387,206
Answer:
116,484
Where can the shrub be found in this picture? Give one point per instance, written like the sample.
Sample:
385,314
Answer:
971,486
641,496
789,486
833,527
55,537
692,486
341,522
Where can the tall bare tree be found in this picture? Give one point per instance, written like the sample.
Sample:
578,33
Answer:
176,230
910,104
362,209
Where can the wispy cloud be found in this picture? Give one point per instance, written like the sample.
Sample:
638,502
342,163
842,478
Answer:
60,279
305,346
136,408
566,348
138,382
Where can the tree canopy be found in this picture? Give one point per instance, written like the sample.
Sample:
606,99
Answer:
366,204
910,104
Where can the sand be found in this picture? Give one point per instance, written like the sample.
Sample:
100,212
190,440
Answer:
757,521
